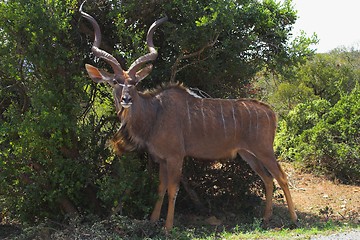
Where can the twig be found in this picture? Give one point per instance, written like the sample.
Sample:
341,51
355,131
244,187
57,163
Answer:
182,56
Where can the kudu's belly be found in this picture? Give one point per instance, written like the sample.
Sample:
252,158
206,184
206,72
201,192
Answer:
212,149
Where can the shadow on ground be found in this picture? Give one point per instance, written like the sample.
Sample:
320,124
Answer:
187,226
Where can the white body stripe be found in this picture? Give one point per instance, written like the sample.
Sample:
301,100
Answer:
188,113
257,123
203,116
248,110
268,118
222,118
192,93
234,119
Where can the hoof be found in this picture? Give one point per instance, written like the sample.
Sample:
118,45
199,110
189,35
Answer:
265,224
295,224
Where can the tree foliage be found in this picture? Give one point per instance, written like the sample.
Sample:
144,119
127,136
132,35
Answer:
320,114
324,137
55,124
214,45
323,76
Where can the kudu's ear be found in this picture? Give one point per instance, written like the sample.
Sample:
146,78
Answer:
98,75
143,73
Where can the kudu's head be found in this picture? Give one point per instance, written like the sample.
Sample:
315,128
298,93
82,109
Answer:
123,82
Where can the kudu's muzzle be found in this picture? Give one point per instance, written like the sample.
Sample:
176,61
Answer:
126,99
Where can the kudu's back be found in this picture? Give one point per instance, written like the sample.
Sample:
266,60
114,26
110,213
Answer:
208,128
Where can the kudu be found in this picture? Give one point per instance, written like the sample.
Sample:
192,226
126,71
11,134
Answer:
173,122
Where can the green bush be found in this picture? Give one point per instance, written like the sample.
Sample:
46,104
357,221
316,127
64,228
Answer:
323,137
130,187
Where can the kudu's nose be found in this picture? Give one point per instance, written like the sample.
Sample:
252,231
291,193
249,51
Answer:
126,101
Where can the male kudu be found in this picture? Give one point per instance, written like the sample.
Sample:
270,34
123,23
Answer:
173,123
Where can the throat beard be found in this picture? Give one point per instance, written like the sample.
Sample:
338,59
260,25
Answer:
122,141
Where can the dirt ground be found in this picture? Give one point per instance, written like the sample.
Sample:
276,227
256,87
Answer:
318,197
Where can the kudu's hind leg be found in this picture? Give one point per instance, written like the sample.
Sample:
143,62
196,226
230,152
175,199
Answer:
259,168
271,164
161,192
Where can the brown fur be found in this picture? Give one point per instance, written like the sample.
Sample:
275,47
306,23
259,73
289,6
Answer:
121,142
170,123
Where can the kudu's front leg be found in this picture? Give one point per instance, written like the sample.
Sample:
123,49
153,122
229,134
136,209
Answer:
174,169
161,192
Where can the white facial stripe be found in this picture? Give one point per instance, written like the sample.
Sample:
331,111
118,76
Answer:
126,105
128,85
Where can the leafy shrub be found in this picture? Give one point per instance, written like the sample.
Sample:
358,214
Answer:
130,187
324,138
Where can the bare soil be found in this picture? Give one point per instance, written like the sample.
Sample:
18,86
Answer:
321,199
317,200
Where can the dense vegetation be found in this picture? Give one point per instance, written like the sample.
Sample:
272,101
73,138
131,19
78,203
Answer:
320,115
55,123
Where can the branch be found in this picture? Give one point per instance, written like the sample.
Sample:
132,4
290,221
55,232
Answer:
193,195
182,56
